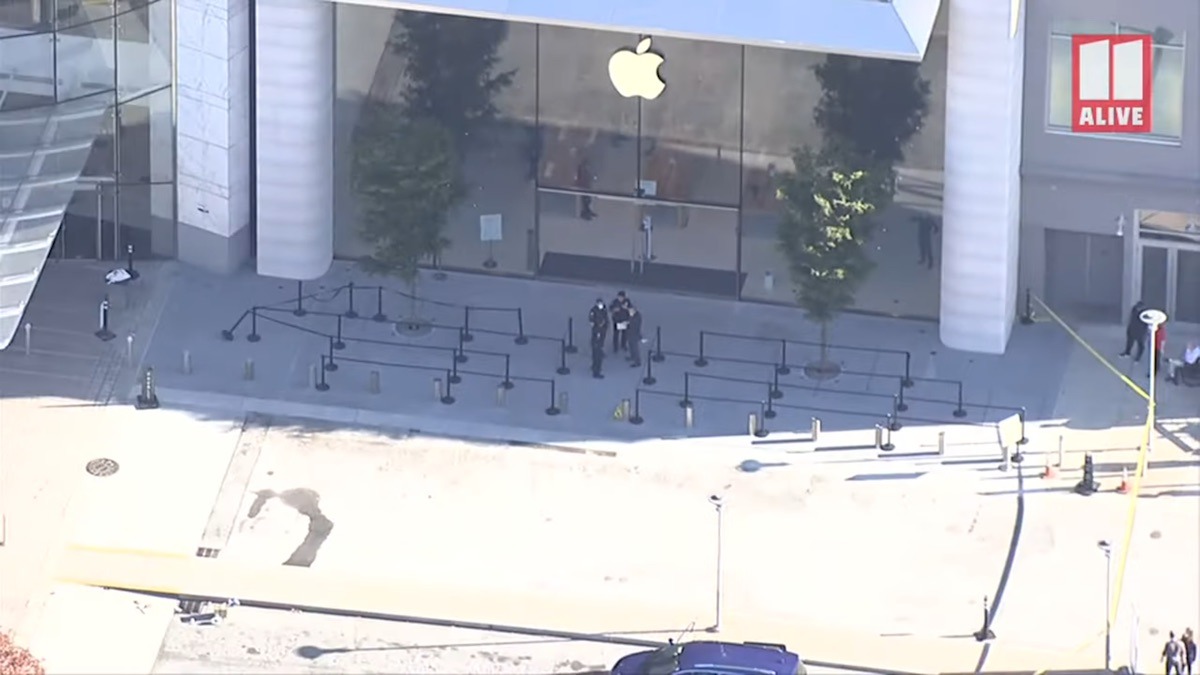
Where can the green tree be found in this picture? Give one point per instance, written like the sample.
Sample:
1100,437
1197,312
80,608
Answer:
407,178
452,69
823,233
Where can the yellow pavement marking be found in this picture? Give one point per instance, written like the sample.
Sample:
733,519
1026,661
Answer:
1091,350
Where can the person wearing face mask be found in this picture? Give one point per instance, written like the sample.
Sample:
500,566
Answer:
619,309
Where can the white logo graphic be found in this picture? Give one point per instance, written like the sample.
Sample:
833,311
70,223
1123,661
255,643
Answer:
634,72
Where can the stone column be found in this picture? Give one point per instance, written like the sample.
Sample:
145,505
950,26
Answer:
213,132
982,195
294,59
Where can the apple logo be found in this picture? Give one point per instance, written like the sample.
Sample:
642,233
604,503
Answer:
634,72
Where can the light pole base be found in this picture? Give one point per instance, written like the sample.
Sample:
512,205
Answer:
713,629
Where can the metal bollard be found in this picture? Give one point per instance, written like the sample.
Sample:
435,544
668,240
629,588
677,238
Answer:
878,437
689,416
312,376
439,389
563,402
626,406
147,398
129,349
1061,456
187,363
28,337
941,446
501,395
373,384
816,429
887,445
248,370
752,424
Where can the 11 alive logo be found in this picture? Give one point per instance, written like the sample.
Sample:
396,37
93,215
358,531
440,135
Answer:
1110,84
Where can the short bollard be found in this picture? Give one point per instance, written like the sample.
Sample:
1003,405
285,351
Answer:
564,401
1061,456
373,385
28,337
501,395
626,407
689,416
448,394
147,398
816,429
439,389
312,376
878,436
248,370
322,384
941,446
187,362
129,349
887,445
753,425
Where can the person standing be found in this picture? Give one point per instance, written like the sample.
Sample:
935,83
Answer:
1172,655
927,227
1135,331
1189,651
633,334
597,344
619,310
1160,343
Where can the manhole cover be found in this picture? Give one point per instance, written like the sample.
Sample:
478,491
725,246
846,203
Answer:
102,467
412,328
822,370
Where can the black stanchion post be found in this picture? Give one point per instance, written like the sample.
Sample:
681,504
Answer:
1021,416
783,368
253,336
453,377
760,430
322,384
985,632
775,391
104,333
521,339
129,262
562,359
908,381
658,356
960,411
465,333
1027,316
299,311
227,334
894,418
884,434
460,354
553,408
507,383
350,313
901,406
700,360
768,411
379,315
636,415
448,396
687,390
339,343
571,348
330,364
649,379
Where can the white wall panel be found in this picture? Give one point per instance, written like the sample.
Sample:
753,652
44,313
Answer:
294,137
981,209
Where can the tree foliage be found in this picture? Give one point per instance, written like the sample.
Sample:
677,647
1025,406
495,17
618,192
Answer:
823,231
407,177
452,68
16,660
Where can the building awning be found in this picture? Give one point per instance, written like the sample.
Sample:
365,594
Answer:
894,29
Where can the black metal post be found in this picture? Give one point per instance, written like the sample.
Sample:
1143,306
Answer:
687,389
339,344
886,435
768,411
104,333
553,408
636,416
1021,416
253,336
330,365
448,396
453,377
700,360
299,311
761,430
460,354
379,315
960,411
658,356
322,385
350,313
571,348
775,391
908,381
901,406
894,418
649,379
465,333
783,368
129,262
521,339
562,359
507,383
985,632
1027,317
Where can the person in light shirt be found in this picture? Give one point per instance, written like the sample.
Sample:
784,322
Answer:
1190,363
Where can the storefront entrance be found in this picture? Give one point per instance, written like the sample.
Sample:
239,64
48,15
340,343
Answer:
1169,257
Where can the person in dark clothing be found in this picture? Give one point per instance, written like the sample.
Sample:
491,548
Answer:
597,344
927,227
619,310
1135,331
633,334
1189,651
1172,655
598,314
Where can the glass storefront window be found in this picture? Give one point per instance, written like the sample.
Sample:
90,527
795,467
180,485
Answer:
144,49
1187,287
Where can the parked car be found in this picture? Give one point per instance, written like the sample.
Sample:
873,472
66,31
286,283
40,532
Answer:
712,658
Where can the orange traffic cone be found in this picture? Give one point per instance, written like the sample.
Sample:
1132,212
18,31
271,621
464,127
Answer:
1123,488
1050,471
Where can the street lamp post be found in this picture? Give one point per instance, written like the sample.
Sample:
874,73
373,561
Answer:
1153,318
1106,548
718,504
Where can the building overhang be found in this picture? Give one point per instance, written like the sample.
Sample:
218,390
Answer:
892,29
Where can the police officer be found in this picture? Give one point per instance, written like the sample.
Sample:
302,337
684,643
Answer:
599,332
619,309
633,334
598,314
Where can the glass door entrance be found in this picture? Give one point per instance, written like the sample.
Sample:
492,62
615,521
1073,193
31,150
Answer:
1170,279
88,228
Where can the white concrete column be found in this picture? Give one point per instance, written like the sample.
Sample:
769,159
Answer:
982,198
294,137
213,131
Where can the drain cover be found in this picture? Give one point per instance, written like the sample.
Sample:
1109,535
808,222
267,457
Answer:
103,467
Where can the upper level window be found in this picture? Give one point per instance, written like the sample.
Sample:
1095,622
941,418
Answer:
1166,105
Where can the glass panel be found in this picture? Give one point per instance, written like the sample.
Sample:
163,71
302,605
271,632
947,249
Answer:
1187,287
21,14
147,147
690,135
588,137
86,58
147,217
1154,277
1058,99
87,228
1167,92
144,49
27,70
1069,27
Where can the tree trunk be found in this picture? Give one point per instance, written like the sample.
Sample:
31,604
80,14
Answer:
824,342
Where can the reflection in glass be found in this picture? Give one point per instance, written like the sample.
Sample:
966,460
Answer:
85,58
144,49
1187,286
146,219
1154,276
147,150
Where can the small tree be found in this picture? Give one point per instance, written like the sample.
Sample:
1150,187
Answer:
823,233
16,660
407,178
